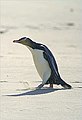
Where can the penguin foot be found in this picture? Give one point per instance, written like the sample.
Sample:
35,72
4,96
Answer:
40,86
51,85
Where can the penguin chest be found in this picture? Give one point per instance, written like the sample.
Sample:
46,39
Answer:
41,64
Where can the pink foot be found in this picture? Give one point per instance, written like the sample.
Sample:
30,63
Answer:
51,85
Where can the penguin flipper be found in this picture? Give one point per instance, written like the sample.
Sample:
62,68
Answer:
51,63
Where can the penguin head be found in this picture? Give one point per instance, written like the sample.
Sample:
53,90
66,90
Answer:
25,41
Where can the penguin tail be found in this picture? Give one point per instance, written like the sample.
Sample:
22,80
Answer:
65,85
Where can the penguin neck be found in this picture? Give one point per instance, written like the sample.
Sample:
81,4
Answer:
31,49
35,52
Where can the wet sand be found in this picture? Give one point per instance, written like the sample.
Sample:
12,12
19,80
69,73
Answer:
58,25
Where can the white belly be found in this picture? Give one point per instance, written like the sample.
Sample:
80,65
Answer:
41,64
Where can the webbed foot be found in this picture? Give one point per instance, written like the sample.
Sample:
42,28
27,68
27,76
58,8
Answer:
40,86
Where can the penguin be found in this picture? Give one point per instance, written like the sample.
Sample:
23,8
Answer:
45,63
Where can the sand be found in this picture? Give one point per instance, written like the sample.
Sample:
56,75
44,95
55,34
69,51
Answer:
57,24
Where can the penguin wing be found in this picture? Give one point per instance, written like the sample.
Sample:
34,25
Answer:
51,60
49,57
52,65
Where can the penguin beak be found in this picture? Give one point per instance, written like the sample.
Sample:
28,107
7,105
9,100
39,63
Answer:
20,41
24,42
16,41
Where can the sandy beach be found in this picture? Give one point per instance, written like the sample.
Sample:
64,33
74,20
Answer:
58,25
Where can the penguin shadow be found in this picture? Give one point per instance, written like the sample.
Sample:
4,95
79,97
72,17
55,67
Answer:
38,92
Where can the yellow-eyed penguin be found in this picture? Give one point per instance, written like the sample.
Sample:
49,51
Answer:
45,63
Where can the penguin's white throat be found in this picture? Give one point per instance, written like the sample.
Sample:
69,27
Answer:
31,49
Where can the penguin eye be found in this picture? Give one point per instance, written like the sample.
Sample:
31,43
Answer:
42,46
